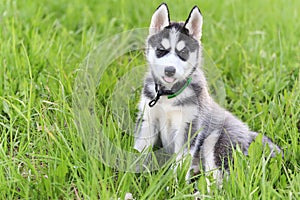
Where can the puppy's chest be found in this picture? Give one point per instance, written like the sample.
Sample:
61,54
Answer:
172,118
172,122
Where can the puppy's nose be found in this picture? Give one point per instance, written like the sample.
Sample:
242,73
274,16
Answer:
170,71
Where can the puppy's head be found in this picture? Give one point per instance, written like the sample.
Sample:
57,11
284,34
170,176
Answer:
173,48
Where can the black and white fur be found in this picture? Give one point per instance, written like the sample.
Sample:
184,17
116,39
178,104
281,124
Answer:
193,117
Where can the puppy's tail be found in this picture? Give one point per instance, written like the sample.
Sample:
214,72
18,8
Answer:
273,147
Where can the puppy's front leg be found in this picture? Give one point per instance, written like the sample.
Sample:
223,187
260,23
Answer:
146,134
179,150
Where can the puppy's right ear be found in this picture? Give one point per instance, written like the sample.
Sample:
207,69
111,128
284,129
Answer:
160,19
194,23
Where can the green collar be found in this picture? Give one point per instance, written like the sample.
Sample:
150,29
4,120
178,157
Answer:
188,82
170,94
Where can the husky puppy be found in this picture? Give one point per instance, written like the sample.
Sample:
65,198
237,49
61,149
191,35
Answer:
176,110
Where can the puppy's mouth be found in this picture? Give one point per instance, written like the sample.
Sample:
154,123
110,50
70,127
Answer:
168,79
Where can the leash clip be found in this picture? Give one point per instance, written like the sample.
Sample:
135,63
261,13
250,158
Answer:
154,101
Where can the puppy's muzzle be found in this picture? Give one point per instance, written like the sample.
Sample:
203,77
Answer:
170,71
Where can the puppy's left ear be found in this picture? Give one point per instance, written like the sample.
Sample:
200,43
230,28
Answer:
160,19
194,23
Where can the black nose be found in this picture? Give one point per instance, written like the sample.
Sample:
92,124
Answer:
170,71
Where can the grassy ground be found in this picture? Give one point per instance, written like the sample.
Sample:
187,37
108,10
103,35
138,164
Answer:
254,44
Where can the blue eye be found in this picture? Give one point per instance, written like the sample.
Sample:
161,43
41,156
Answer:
160,52
183,54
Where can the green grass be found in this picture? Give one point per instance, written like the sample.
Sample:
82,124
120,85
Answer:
254,44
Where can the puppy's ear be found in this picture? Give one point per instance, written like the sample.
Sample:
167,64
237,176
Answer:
160,19
194,23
